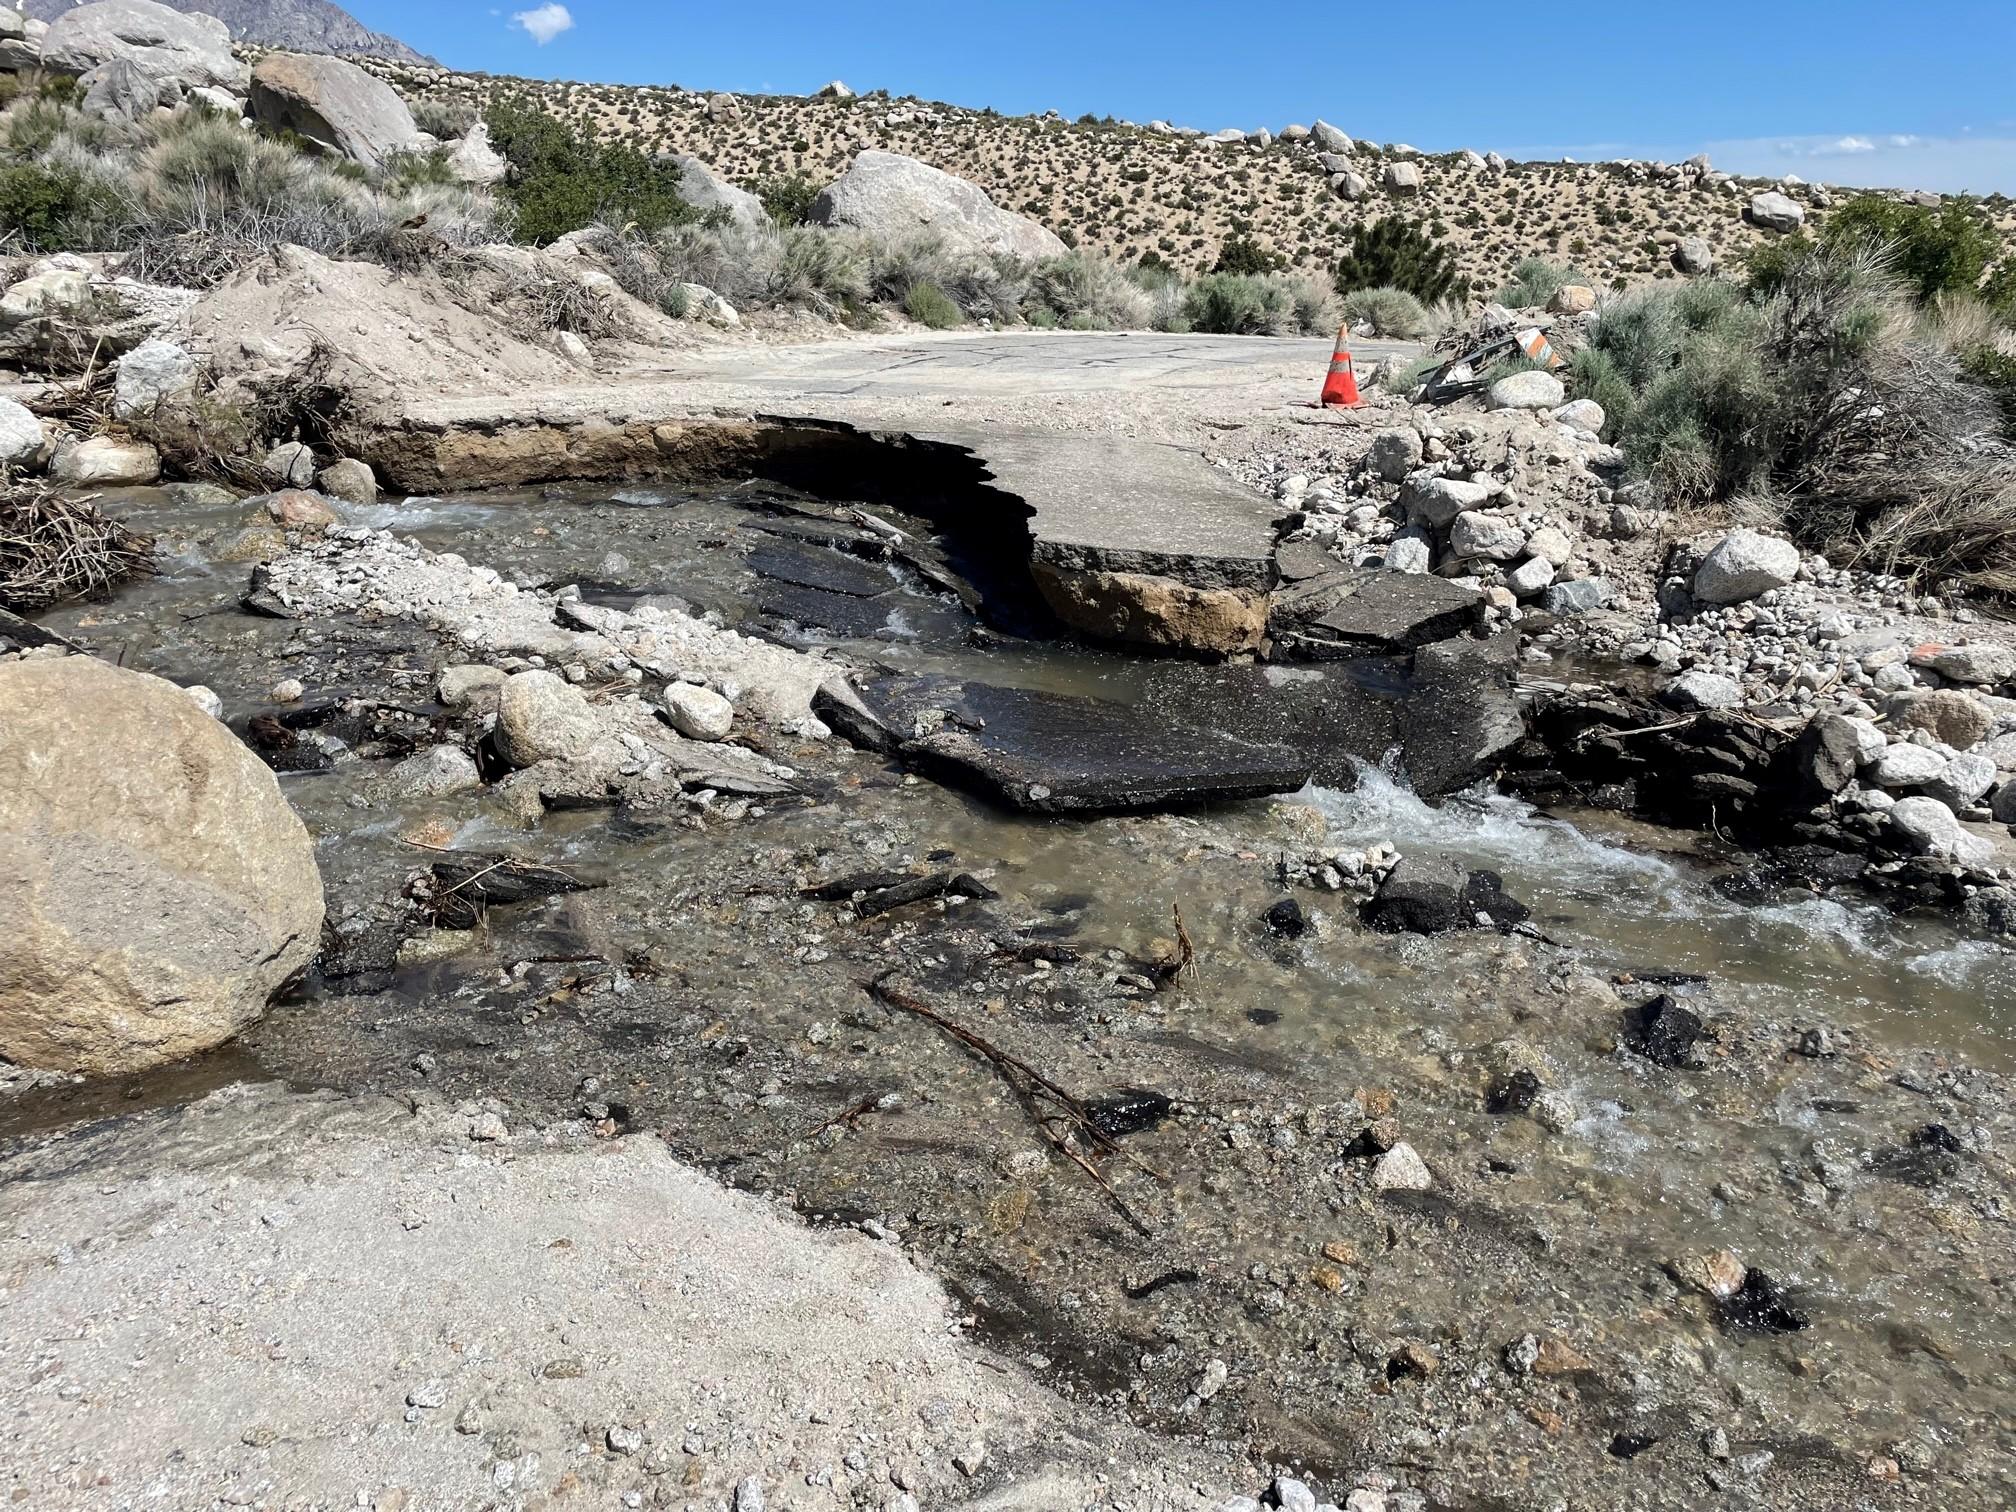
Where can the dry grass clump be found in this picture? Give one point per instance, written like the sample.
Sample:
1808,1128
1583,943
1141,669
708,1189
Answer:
193,197
54,548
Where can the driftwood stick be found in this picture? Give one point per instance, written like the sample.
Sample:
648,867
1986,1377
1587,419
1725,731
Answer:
1028,1084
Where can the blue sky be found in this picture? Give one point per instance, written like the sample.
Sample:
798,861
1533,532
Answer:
1843,92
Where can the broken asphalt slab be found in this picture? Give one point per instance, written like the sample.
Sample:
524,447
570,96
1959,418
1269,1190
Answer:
1193,734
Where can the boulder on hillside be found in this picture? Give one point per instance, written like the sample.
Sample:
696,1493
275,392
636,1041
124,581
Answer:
155,887
1772,211
1329,139
1403,178
176,49
334,105
887,194
1694,257
705,190
119,91
473,160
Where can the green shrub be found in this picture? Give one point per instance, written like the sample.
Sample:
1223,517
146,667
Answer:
562,182
1085,286
1242,254
43,204
787,198
1935,250
1534,282
1239,304
1400,254
929,305
1593,374
1386,312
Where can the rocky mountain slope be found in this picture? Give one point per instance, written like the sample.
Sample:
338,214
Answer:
1127,190
300,25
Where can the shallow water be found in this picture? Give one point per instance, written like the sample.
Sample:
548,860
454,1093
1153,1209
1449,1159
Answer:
716,1005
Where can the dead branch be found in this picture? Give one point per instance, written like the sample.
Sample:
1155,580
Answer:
1034,1089
54,548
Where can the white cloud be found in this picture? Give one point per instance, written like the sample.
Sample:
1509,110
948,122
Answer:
544,22
1847,144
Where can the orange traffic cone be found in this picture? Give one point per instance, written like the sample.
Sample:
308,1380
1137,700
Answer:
1340,388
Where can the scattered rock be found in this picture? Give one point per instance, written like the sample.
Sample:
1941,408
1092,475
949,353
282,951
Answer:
289,465
106,462
21,435
1530,390
1666,1034
1926,826
1693,691
699,713
543,717
1401,1170
154,373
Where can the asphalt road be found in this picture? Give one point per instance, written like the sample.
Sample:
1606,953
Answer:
1028,363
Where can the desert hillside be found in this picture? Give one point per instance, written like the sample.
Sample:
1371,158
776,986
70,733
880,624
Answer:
1128,190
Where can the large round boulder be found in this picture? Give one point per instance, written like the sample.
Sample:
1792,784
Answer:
887,194
333,104
177,50
1743,564
155,887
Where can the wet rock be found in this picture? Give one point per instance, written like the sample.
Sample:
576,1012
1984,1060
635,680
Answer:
350,480
1285,920
1666,1034
436,772
1407,905
1139,608
160,889
1400,1169
1759,1305
299,509
542,717
1119,1114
